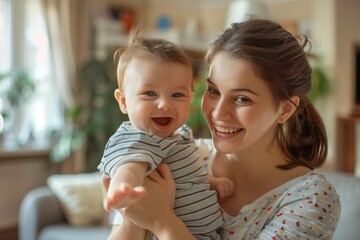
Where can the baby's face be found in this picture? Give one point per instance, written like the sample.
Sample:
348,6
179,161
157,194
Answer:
157,95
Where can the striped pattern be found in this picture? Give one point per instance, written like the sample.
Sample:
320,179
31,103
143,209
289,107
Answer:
195,204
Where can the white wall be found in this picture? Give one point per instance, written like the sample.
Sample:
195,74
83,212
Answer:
324,44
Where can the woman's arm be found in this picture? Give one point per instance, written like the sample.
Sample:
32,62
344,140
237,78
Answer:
126,231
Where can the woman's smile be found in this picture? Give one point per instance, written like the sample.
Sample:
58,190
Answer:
226,130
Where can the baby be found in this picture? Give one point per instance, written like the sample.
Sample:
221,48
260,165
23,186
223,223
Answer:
155,91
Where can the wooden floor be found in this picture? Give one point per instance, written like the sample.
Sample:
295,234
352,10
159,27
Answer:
9,234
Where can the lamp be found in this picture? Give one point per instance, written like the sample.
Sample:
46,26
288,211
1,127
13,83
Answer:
241,10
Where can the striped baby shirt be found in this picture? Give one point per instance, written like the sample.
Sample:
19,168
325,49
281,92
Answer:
195,204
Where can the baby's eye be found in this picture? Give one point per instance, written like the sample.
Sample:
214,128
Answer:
150,93
177,95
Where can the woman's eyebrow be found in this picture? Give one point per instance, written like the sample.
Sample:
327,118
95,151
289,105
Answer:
236,89
209,81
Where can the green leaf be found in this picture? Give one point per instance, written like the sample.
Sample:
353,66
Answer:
320,83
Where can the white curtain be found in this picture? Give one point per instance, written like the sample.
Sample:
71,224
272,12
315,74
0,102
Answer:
57,15
41,113
49,39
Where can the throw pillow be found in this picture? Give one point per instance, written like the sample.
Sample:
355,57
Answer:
81,197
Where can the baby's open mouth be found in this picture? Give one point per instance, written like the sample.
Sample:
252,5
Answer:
162,121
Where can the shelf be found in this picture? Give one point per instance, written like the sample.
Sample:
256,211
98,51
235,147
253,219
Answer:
109,35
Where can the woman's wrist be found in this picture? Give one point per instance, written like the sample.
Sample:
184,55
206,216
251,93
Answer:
171,228
127,230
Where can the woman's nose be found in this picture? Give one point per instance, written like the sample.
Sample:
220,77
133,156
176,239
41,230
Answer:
221,111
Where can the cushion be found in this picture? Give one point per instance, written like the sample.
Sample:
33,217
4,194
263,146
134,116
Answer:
81,197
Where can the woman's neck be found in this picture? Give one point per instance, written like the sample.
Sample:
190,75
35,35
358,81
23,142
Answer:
253,174
258,159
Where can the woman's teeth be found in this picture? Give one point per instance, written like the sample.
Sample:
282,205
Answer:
226,130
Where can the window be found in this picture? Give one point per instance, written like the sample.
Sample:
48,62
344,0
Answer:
5,47
40,114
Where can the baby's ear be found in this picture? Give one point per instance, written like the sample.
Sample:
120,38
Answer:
287,109
120,98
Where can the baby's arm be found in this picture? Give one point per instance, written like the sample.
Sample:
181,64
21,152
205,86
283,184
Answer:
223,186
123,229
126,185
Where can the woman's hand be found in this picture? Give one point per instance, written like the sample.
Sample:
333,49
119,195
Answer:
157,203
154,211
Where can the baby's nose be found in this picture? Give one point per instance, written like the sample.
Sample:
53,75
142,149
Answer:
164,104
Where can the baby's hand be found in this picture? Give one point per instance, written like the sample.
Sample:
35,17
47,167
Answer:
223,186
123,196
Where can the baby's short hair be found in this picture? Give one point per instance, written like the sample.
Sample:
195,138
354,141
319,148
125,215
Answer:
159,49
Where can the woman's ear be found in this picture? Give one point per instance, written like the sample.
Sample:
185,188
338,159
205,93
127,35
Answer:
120,98
192,96
287,109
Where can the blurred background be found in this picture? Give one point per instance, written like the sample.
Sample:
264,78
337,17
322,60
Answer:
57,76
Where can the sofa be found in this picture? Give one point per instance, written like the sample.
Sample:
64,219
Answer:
42,216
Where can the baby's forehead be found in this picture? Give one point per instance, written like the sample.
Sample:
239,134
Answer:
150,68
147,56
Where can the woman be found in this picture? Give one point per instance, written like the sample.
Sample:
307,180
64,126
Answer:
269,140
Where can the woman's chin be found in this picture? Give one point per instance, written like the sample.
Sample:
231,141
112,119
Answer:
224,142
221,144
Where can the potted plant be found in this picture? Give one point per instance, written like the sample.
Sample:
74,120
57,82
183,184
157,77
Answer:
16,87
95,118
320,81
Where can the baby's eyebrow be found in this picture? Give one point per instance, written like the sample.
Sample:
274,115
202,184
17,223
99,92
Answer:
235,89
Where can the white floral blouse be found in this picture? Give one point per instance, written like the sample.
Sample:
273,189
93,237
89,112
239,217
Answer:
307,207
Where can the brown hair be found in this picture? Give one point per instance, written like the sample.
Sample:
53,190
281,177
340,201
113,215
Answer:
158,49
280,60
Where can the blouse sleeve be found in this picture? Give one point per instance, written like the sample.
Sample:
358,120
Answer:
206,151
309,211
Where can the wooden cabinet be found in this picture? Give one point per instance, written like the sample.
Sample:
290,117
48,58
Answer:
21,170
348,143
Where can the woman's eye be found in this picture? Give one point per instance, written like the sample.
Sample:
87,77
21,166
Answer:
177,95
242,100
212,91
150,93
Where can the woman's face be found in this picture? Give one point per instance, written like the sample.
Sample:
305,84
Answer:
239,107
